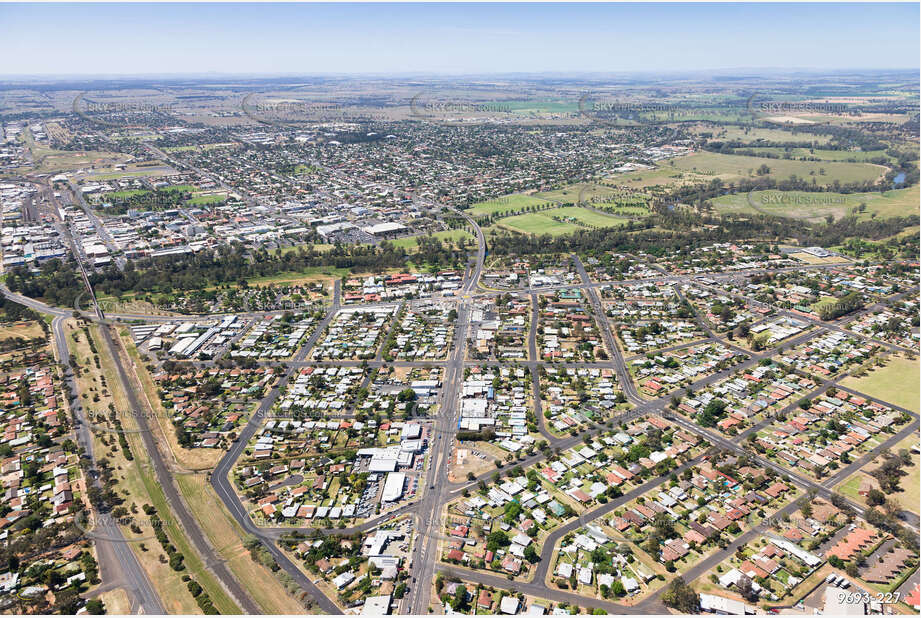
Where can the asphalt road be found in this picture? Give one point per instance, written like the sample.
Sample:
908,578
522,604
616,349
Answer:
164,477
222,485
118,565
601,318
437,490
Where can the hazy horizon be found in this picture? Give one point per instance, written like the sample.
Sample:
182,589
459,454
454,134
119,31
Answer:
235,40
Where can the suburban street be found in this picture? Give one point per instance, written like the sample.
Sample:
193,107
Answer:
437,489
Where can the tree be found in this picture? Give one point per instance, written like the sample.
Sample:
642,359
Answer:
95,607
460,599
496,540
664,525
682,597
746,589
530,554
875,497
805,507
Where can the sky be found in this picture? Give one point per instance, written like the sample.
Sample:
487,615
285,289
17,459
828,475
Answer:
313,39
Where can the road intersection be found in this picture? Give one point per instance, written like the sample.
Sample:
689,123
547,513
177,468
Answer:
438,489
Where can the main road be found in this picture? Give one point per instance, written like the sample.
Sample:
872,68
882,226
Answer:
437,488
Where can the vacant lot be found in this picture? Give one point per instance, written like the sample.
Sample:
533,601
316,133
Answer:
202,200
812,259
896,383
730,167
23,330
909,497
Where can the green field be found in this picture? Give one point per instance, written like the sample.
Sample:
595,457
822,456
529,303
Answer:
752,135
815,206
652,180
318,247
823,302
508,203
825,155
539,106
447,236
201,200
733,167
571,194
544,223
910,498
538,223
896,383
586,216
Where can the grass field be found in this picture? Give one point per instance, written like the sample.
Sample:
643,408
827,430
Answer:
896,383
823,302
122,195
201,200
729,167
587,216
668,176
116,601
538,223
24,330
318,247
309,275
575,218
816,206
571,194
508,203
446,236
812,259
227,538
909,498
825,155
752,135
108,175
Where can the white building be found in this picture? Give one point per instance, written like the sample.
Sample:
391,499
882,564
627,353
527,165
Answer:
393,487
